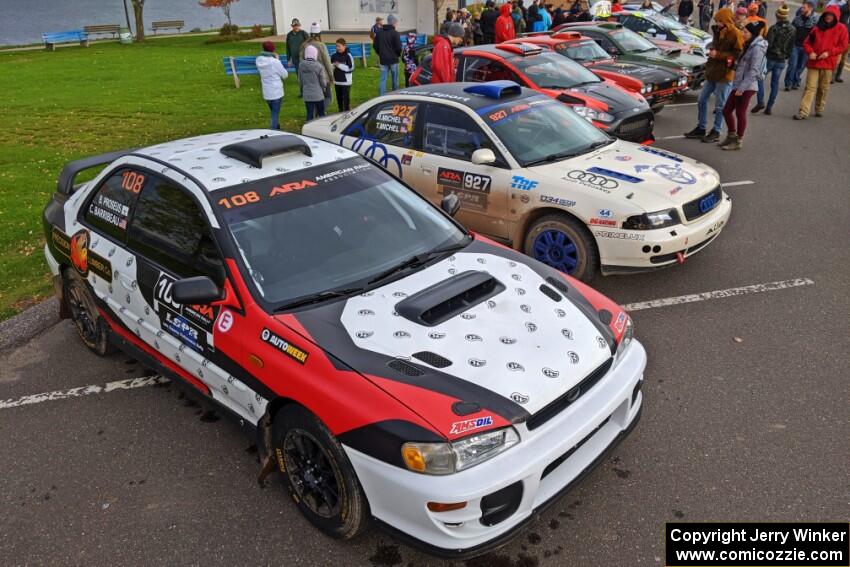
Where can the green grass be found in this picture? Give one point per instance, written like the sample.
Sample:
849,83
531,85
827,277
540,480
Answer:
76,102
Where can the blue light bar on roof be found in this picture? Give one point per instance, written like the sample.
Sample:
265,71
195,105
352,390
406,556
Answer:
494,89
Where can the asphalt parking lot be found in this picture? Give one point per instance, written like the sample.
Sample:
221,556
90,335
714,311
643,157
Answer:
746,403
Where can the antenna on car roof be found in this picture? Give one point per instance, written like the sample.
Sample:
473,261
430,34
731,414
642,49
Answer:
253,152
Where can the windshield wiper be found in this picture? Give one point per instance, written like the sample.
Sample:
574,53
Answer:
552,157
600,144
318,298
420,259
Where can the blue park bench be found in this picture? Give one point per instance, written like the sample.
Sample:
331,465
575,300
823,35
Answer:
50,39
247,65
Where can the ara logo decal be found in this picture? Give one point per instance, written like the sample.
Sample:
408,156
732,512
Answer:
515,367
459,427
225,321
294,186
507,340
476,362
549,373
519,398
573,357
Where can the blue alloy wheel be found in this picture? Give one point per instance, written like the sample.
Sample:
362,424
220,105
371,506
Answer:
556,249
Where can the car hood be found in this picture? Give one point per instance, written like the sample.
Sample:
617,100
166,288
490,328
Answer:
616,98
675,57
642,176
646,73
511,353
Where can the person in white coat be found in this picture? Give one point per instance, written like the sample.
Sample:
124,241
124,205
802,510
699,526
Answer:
272,75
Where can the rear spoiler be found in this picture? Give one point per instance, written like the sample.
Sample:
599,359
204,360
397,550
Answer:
65,185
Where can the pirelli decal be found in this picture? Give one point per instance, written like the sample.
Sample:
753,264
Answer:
76,250
284,346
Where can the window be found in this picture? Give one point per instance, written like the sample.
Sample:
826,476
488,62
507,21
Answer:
639,25
169,229
452,133
389,123
606,44
112,205
481,70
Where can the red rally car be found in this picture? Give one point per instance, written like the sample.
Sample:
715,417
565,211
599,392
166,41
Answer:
622,113
388,363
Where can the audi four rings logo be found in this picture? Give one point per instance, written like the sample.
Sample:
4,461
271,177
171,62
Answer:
573,357
549,373
593,179
515,367
519,398
477,362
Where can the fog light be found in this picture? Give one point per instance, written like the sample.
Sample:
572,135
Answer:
656,249
445,506
646,249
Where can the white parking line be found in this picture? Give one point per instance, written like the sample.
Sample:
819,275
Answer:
736,183
681,104
718,294
679,137
81,391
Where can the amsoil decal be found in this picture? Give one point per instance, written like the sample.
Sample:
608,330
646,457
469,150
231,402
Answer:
471,188
459,427
76,250
191,324
284,346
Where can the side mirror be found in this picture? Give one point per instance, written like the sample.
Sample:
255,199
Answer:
450,204
199,290
483,156
652,31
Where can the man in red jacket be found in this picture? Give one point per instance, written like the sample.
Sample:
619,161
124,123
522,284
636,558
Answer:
442,58
505,24
824,45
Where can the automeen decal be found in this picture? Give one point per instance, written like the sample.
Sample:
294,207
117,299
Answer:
294,352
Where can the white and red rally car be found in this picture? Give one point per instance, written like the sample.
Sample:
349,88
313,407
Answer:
388,363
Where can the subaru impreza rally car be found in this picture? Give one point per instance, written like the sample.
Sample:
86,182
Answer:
533,174
388,363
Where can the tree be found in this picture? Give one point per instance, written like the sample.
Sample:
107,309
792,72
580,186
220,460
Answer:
223,4
138,11
438,6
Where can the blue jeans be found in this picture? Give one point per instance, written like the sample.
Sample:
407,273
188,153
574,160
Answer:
774,69
315,109
721,92
393,70
796,64
274,107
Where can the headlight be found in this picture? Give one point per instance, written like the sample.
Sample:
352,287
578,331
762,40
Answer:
683,81
591,114
448,458
628,335
650,87
650,221
643,90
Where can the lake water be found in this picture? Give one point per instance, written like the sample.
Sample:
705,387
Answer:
23,21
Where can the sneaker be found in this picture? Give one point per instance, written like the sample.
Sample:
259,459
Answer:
731,138
736,145
787,89
695,133
799,117
757,108
768,111
711,137
795,88
818,114
839,80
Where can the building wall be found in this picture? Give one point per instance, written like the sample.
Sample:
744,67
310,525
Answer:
346,14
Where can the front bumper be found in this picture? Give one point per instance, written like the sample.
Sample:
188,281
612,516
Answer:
546,463
632,126
641,250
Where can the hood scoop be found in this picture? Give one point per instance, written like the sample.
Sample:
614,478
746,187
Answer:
432,359
448,298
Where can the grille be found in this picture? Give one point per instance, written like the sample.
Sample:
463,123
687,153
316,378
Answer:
557,462
548,292
661,258
692,208
568,398
432,359
558,284
636,128
668,85
404,367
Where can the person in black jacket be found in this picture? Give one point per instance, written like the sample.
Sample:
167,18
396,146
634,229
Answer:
488,21
686,8
387,45
343,64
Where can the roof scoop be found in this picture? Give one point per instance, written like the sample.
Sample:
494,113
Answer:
448,298
253,152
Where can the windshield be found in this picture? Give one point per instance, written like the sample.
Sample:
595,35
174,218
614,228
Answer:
553,71
540,129
329,227
631,41
582,51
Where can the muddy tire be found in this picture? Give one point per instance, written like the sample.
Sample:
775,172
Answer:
564,243
92,328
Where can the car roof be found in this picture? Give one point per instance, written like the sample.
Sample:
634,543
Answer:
457,92
592,26
202,159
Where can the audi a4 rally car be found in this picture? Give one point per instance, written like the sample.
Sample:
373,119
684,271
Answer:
533,174
627,46
388,363
658,85
620,112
